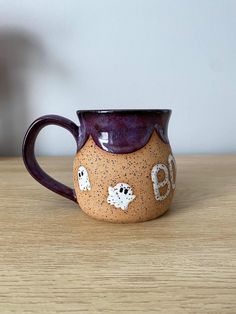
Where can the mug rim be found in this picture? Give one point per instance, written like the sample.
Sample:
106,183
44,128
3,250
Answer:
125,111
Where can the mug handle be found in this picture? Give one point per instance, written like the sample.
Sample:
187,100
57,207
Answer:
29,155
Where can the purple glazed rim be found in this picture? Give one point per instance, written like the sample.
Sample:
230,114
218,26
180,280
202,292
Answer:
122,131
125,111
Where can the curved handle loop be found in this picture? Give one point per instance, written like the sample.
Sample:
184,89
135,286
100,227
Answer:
29,155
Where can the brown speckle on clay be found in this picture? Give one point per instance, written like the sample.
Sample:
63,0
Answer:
106,170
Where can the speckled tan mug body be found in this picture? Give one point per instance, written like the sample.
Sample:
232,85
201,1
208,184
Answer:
132,187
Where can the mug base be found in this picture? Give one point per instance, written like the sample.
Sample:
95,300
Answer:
126,220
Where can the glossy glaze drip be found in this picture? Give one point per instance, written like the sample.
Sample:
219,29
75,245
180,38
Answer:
122,132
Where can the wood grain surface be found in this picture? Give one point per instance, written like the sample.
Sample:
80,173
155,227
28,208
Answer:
55,259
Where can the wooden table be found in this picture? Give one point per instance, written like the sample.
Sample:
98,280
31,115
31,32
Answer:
55,259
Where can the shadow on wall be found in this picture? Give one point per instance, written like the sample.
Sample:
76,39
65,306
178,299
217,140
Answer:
21,54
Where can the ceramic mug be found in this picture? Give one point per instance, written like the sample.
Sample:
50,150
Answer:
124,169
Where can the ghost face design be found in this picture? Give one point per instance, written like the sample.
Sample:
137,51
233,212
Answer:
83,179
120,196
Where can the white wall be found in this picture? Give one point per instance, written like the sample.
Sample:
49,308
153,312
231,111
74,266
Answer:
60,56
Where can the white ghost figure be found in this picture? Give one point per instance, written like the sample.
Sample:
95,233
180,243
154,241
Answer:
83,179
120,196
